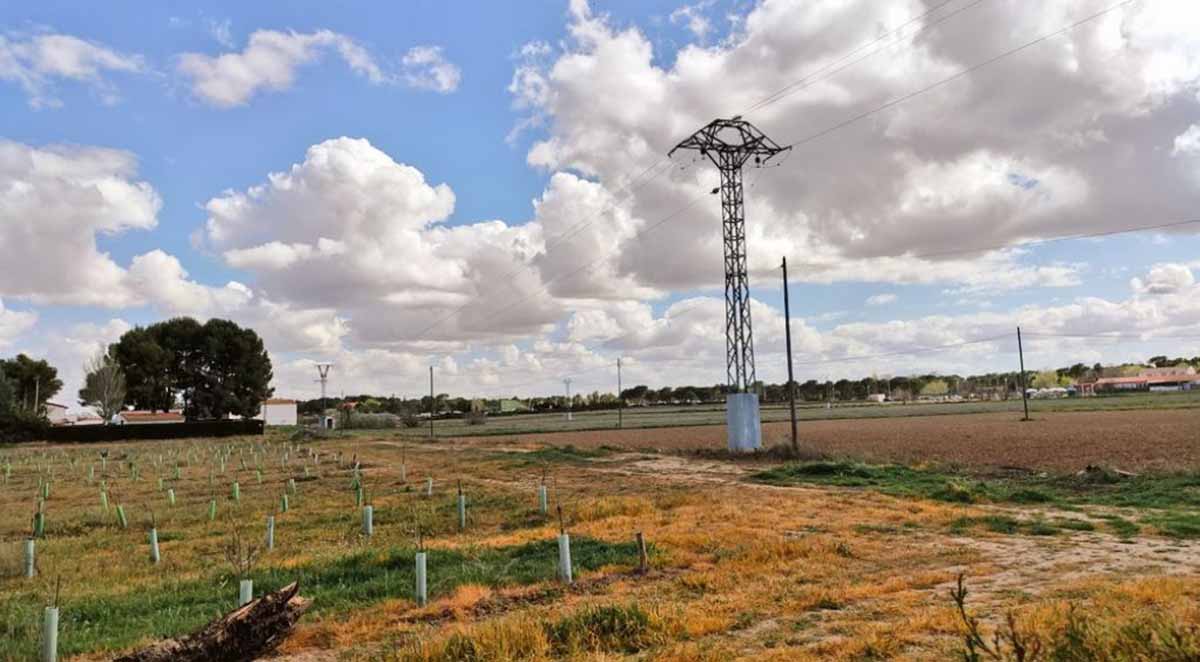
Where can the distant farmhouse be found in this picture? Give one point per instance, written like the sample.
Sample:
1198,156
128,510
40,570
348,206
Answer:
1173,378
278,412
56,413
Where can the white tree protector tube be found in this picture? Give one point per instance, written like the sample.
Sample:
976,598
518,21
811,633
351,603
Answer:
171,495
50,635
422,589
429,486
462,512
270,532
543,499
245,591
155,557
368,522
564,558
30,565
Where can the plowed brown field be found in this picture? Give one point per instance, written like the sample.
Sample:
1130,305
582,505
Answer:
1160,440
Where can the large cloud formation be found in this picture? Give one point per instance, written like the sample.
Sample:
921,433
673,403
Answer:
1073,135
348,255
1040,145
56,201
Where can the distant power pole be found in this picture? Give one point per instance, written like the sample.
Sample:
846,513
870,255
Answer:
787,327
567,383
1024,387
729,144
620,398
323,372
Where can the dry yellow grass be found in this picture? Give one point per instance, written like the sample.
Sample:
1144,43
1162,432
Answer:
740,571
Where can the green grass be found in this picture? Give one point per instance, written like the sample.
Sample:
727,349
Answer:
1120,526
1176,524
1169,499
336,587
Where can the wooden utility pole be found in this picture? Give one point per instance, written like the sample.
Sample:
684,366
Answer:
791,385
432,402
1024,387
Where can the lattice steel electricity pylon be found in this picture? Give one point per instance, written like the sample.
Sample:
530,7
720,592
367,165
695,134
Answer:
729,144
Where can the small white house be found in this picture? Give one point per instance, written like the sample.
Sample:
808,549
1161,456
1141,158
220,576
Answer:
278,412
56,413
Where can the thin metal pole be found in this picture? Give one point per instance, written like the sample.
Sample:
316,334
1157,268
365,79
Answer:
567,383
620,398
1024,388
432,402
791,385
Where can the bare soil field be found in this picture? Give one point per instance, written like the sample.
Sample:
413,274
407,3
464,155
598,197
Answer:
1150,440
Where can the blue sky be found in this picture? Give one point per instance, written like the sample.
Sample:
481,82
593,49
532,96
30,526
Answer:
549,108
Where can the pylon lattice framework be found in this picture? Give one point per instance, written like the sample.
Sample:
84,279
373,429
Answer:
729,144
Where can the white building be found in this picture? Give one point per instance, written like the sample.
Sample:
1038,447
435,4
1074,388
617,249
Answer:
278,412
56,413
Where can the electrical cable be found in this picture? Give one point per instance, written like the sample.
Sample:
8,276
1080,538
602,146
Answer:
825,72
962,72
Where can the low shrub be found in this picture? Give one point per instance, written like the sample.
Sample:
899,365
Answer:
371,422
475,417
604,629
19,426
1105,635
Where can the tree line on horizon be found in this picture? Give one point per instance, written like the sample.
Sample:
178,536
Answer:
996,384
208,371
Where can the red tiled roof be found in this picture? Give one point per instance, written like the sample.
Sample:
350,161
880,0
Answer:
148,416
1147,379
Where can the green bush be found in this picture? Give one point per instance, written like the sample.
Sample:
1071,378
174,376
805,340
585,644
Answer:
19,426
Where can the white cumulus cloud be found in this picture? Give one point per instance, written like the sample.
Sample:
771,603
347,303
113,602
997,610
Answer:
269,62
36,61
427,68
1166,278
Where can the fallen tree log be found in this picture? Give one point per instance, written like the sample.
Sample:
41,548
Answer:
245,633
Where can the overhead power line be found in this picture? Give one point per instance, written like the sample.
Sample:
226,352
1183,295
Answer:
959,74
1112,336
821,73
1057,239
906,352
841,64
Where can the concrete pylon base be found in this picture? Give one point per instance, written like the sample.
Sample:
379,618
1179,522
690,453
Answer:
743,422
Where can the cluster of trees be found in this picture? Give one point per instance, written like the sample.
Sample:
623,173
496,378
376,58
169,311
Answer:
26,385
209,370
212,369
1002,385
